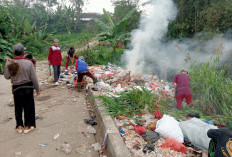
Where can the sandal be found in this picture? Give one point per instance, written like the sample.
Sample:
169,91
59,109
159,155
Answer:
29,130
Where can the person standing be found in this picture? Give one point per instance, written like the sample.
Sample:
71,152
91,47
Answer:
70,57
182,89
55,59
24,80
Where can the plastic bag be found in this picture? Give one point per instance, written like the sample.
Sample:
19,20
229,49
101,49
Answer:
66,148
195,131
175,145
168,127
151,136
157,114
139,129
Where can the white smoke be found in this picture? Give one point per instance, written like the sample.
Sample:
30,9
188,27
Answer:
151,52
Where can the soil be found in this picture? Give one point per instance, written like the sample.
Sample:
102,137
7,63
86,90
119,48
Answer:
59,111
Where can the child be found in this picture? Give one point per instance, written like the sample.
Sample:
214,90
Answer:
24,80
31,58
70,56
82,70
55,59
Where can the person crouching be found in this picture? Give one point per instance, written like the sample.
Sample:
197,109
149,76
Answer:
182,89
24,80
82,70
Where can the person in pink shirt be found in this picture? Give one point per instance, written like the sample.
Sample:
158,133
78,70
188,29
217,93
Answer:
182,89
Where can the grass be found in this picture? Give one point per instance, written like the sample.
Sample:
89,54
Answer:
212,89
136,101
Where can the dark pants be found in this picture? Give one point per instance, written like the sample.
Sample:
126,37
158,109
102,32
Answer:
56,69
81,75
24,101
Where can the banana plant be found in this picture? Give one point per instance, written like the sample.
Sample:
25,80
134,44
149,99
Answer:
5,51
114,33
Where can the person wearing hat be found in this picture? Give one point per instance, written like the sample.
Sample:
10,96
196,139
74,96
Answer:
24,80
221,141
82,70
182,89
55,59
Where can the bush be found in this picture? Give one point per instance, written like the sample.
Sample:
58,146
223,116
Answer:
102,55
212,88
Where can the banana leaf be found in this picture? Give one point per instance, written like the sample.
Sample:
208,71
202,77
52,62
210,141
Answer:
103,26
108,18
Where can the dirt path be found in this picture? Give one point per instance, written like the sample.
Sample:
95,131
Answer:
62,111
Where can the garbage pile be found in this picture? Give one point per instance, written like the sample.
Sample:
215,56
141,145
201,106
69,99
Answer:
158,135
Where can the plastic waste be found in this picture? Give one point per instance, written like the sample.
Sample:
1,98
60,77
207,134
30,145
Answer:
140,129
175,145
122,131
151,136
56,136
168,127
195,131
157,114
18,153
96,146
90,121
91,130
43,145
66,148
148,148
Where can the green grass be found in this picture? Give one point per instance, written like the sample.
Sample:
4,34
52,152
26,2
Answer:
75,39
212,89
135,101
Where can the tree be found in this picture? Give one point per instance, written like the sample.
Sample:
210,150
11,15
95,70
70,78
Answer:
121,8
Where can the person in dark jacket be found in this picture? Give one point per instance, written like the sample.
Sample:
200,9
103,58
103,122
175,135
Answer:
82,70
24,80
221,142
55,59
70,57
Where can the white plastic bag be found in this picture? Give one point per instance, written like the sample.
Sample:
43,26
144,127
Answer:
195,130
168,127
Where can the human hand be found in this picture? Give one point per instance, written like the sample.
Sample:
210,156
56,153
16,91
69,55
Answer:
38,93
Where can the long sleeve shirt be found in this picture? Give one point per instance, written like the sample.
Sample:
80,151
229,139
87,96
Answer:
54,56
26,73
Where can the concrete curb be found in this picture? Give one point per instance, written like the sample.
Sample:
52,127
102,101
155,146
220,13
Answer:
115,145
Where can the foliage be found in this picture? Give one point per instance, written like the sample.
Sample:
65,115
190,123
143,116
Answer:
212,89
114,33
143,101
101,55
196,16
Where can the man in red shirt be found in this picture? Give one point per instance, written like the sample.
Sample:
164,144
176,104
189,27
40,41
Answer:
182,89
55,59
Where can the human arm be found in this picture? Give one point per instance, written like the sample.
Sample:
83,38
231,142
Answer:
50,55
34,79
6,72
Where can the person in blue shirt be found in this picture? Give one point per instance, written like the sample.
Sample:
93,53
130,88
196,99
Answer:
82,70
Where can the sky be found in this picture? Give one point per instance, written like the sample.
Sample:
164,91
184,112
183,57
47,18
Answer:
98,5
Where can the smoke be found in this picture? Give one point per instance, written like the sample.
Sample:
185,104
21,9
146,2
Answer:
150,51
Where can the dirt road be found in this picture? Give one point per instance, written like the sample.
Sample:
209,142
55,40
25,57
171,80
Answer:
61,111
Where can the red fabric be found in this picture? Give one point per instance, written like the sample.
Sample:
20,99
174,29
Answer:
68,60
175,145
140,129
18,58
54,56
157,114
183,82
181,97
